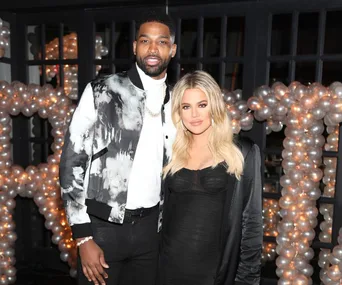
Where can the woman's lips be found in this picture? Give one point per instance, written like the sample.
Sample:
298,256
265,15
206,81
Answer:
195,123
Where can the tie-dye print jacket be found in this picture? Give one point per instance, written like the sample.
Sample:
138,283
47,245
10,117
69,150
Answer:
99,149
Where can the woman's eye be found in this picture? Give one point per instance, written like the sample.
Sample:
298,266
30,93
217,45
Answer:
185,107
203,105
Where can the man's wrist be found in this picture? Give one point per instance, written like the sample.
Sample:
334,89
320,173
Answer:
83,240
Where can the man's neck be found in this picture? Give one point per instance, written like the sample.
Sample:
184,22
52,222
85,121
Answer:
148,81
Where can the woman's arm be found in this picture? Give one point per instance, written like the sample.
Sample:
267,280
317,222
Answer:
249,267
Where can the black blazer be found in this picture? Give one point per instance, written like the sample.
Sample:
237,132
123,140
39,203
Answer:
242,227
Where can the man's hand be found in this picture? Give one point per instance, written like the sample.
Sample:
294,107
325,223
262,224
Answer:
93,262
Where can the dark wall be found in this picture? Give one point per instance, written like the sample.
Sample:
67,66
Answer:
17,5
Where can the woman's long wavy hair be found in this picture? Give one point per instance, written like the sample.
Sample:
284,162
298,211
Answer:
221,143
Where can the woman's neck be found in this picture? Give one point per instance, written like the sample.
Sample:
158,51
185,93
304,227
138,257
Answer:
200,140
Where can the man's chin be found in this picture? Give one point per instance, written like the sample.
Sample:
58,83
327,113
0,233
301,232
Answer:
153,72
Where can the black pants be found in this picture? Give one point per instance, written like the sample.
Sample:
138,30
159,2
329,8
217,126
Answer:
130,250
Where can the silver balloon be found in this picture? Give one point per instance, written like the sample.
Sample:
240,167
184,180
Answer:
238,94
337,252
280,110
73,272
293,132
264,113
282,262
309,101
262,91
324,103
309,254
10,271
287,100
241,105
317,128
300,91
336,88
228,97
270,100
279,89
64,256
56,239
307,270
334,273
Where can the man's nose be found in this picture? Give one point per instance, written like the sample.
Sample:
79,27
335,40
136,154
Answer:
153,47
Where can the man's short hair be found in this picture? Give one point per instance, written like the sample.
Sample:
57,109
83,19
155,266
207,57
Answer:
161,18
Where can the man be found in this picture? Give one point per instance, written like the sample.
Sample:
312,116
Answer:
118,140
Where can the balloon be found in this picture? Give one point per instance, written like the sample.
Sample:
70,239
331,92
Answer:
264,113
299,92
324,103
262,91
279,89
246,121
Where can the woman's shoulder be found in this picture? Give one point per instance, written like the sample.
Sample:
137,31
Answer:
244,144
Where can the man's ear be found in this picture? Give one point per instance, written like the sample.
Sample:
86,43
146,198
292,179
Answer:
174,50
135,47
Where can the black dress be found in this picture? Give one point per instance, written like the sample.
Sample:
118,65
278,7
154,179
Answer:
191,225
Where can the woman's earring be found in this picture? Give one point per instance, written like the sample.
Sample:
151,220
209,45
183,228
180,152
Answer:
212,122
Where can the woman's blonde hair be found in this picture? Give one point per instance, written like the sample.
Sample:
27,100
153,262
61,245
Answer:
220,143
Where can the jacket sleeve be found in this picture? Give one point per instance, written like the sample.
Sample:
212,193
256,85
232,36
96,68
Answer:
75,162
249,266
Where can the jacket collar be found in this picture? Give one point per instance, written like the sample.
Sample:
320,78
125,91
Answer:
136,80
134,77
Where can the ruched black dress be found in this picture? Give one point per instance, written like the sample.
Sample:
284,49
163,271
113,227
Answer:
192,223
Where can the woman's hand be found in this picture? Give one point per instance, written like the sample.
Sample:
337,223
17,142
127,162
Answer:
93,262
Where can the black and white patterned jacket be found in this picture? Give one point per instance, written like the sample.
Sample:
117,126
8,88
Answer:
99,149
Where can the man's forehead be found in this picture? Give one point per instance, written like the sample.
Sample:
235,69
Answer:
154,28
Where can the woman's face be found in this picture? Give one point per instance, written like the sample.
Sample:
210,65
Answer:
195,111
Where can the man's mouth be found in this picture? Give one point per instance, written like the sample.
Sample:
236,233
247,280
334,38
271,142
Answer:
152,60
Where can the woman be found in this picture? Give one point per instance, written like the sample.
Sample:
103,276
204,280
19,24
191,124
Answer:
212,219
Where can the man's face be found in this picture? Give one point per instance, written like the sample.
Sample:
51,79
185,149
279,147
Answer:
154,49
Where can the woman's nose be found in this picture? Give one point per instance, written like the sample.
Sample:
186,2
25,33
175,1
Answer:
194,112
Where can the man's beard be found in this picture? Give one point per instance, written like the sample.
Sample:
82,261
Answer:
153,71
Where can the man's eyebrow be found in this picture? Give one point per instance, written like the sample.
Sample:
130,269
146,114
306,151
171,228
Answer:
160,37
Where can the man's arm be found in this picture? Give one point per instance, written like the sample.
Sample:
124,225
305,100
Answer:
76,155
252,229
